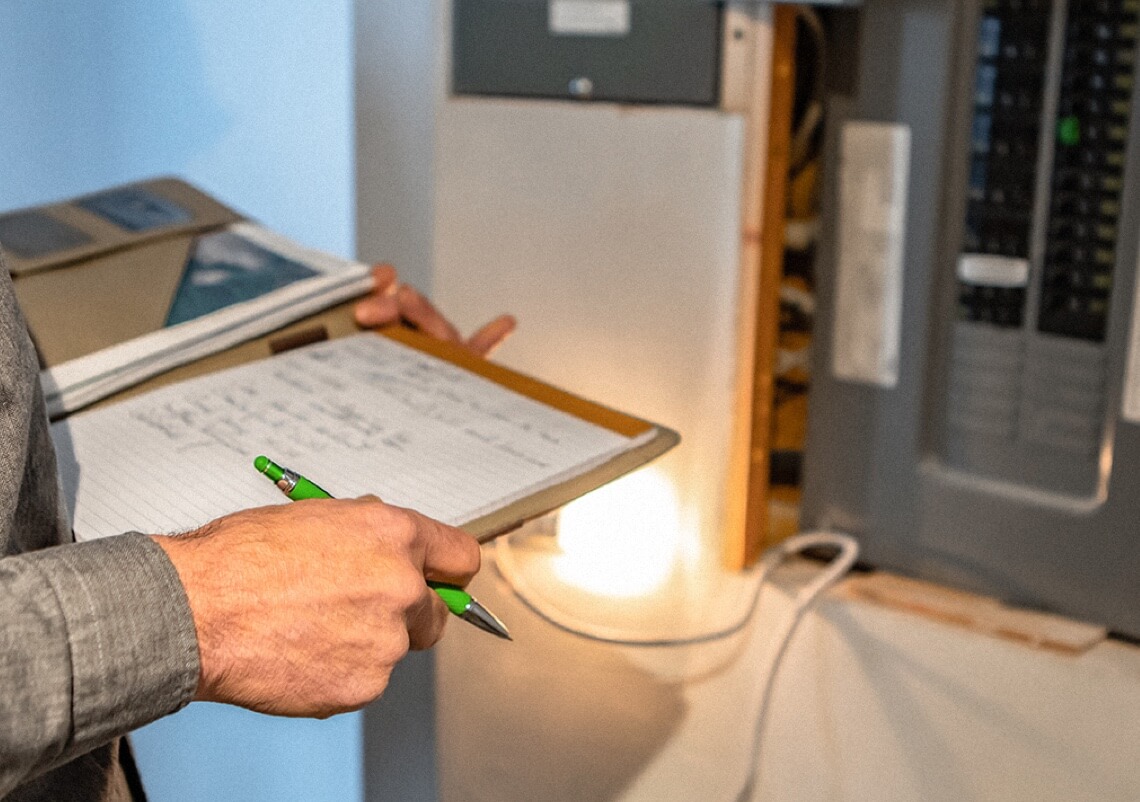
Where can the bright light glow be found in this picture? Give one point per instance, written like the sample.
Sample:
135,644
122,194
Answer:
623,539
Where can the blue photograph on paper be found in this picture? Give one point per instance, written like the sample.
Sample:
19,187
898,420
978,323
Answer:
225,269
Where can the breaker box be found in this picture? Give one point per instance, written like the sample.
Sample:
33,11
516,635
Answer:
975,410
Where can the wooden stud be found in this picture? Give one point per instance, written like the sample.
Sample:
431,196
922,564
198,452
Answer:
762,257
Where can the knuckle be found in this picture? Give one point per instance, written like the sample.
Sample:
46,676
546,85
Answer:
398,526
466,554
392,650
390,524
429,627
406,589
366,690
439,618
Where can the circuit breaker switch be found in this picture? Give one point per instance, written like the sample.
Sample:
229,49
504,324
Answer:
989,270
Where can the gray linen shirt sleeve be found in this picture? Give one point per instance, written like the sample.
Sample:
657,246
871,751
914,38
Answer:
96,639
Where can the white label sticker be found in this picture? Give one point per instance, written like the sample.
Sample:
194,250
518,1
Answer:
873,172
589,17
1131,401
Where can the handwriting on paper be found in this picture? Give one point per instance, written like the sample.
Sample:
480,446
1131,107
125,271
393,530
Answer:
358,415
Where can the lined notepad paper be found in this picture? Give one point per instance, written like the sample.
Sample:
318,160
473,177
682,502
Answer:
356,415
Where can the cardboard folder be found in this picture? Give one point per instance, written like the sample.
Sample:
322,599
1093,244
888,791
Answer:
86,281
121,285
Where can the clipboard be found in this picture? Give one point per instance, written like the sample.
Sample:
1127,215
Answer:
514,515
632,441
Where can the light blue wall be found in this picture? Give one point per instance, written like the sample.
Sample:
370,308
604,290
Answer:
251,101
216,753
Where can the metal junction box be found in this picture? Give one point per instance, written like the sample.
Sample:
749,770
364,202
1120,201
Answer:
635,51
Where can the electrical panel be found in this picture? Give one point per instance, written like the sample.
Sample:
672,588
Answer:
1000,456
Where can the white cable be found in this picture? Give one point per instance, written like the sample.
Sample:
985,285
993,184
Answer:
773,557
803,600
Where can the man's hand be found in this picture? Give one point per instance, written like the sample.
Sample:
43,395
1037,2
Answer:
391,302
303,609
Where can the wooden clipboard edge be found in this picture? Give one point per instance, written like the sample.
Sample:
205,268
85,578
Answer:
605,417
516,514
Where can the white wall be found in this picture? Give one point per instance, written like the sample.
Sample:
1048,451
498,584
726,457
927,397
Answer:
399,81
613,234
251,101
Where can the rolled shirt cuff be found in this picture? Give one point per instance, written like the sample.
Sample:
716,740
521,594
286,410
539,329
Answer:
134,649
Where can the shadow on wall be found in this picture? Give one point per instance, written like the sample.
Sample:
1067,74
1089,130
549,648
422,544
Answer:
551,701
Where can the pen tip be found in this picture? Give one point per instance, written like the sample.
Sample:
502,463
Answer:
487,621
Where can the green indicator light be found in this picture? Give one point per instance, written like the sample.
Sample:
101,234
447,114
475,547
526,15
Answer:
1069,130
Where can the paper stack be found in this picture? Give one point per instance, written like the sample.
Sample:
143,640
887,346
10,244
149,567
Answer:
242,282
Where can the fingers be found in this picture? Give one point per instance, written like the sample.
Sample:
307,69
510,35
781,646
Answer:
426,621
380,307
383,279
376,310
450,555
390,302
419,311
491,336
443,553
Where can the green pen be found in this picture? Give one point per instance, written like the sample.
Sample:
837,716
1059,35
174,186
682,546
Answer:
458,601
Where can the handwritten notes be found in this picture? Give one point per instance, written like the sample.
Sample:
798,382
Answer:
356,415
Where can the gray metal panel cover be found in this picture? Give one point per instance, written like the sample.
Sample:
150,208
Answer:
670,53
878,460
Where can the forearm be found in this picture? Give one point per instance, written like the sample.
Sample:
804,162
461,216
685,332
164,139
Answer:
97,639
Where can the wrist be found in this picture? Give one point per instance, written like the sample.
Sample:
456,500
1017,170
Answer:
187,557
